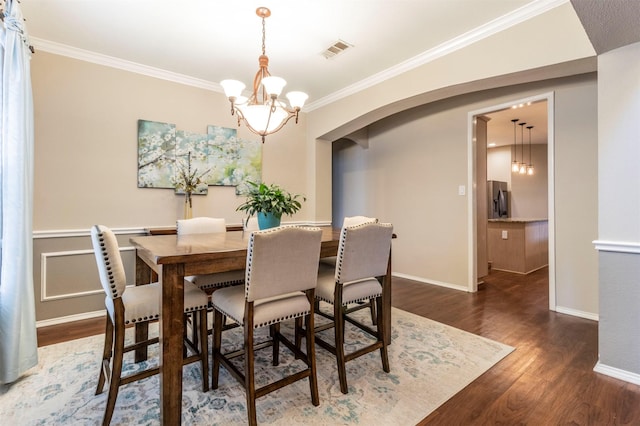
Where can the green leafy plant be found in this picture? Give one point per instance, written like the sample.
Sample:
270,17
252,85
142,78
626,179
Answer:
263,198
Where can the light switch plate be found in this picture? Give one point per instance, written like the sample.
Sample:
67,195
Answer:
505,234
461,190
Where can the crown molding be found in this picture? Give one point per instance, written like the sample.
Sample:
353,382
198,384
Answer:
502,23
113,62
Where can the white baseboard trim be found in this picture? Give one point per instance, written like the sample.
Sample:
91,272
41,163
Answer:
64,233
617,373
433,282
577,313
71,318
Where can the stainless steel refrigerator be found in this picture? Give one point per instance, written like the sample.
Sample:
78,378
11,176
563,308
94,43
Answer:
498,201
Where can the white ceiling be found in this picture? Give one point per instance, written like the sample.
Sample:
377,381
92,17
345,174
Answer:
212,39
500,126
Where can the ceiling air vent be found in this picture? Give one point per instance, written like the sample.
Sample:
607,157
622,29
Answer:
336,48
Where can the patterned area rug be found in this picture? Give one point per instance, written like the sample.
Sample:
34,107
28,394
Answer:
430,362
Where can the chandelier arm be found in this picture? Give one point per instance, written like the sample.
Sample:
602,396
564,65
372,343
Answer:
257,81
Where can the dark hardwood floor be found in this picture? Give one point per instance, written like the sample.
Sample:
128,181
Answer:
547,380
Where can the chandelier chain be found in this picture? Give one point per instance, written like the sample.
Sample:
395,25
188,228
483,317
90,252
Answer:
264,36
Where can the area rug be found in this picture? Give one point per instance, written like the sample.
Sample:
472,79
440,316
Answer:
430,362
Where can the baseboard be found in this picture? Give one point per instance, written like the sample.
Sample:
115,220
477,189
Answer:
577,313
433,282
71,318
617,373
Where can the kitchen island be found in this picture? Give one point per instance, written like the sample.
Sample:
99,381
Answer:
518,245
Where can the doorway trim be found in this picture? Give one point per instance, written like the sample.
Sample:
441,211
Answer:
472,284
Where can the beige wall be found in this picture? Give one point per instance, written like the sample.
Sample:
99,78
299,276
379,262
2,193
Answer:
86,118
86,169
86,146
560,47
410,174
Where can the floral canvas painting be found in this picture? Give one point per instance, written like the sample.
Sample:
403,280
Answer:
156,154
191,151
233,160
218,157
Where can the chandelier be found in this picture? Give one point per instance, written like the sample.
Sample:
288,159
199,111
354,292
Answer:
263,113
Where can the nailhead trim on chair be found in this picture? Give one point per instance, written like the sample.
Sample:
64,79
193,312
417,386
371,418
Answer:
196,308
220,285
250,254
281,319
343,243
143,319
258,325
103,249
344,302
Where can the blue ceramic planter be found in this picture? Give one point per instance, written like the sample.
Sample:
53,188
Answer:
268,220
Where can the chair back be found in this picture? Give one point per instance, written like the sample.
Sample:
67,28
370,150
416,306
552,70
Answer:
357,220
201,225
282,260
110,267
363,251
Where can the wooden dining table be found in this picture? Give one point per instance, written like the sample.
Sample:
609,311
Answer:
169,258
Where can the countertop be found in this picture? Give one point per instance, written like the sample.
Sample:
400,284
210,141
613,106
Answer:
517,220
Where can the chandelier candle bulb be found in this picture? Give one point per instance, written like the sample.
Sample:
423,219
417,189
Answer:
232,88
297,99
273,85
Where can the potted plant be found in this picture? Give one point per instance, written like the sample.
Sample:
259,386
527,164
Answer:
269,203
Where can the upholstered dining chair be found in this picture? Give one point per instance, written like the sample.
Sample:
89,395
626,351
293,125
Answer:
328,264
133,305
347,221
281,274
360,272
208,282
209,225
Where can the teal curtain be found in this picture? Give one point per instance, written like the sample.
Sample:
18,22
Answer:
18,340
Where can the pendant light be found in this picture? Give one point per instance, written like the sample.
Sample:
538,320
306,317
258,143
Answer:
523,166
530,166
515,167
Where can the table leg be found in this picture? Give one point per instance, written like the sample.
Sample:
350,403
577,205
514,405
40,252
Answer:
171,325
386,301
143,276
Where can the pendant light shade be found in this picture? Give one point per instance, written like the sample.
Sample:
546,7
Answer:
515,166
523,166
530,170
520,167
